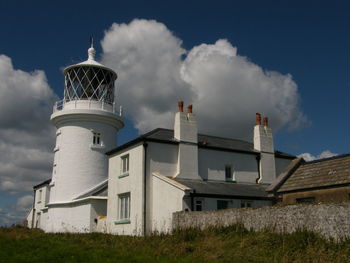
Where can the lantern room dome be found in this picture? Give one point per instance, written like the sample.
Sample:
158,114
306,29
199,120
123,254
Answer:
90,62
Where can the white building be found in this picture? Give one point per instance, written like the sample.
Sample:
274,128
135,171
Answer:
86,124
165,171
148,179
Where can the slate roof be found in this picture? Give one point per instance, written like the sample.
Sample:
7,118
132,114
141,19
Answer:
100,189
293,165
219,188
42,184
204,141
319,174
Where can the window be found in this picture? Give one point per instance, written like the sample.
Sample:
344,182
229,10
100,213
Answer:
125,164
199,205
305,200
96,139
228,172
40,193
222,204
124,206
229,175
245,203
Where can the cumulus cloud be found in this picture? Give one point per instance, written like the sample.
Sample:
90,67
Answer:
24,203
309,157
226,89
26,135
147,58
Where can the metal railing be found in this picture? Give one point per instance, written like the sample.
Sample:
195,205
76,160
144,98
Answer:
86,104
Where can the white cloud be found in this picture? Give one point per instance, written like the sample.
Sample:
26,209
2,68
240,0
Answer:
26,135
309,157
146,56
24,203
225,88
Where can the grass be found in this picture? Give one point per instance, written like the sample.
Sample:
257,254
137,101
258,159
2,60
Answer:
224,244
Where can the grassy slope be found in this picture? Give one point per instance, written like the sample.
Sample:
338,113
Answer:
229,244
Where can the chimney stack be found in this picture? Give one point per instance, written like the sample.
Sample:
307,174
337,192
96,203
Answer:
185,132
263,142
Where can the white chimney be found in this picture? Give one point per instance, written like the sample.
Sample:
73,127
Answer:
263,142
185,131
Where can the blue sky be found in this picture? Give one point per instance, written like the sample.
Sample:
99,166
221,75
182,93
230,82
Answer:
309,40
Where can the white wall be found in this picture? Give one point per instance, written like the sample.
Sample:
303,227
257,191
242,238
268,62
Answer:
212,165
78,164
98,208
133,184
70,218
39,205
166,200
162,158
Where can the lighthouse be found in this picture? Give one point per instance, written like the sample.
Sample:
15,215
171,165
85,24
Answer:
87,123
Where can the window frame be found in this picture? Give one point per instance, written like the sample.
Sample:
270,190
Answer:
229,173
222,202
198,203
96,138
246,203
124,207
124,165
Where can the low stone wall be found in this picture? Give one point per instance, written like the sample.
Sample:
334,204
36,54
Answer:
329,220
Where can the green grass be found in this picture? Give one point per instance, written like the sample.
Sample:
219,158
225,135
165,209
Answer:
225,244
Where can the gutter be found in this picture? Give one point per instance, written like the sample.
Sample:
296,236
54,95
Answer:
145,189
33,209
258,158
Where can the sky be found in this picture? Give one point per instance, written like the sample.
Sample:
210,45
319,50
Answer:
231,59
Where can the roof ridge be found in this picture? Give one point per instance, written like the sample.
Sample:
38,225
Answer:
225,138
199,134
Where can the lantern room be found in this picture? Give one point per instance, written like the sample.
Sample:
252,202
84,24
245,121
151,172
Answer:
89,80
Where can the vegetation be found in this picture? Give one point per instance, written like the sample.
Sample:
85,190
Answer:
225,244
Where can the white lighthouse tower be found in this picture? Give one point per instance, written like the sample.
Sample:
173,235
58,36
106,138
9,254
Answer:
87,124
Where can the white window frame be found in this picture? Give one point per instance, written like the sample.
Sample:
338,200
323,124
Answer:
124,206
124,164
229,173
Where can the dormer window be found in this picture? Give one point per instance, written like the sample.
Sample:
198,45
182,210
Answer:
96,139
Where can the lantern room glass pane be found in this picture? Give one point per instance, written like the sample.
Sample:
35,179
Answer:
90,83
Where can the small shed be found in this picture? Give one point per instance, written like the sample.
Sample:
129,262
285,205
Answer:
319,181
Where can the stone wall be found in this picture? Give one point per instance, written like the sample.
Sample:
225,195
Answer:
329,220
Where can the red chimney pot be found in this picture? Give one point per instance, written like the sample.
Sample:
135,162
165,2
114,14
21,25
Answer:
266,121
180,105
258,119
189,108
